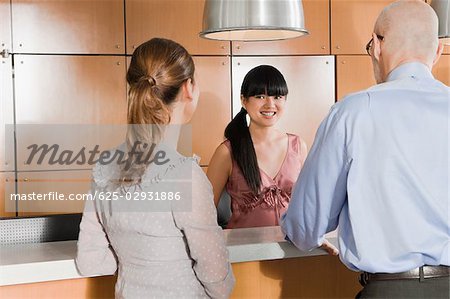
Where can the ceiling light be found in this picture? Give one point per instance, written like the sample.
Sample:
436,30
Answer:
253,20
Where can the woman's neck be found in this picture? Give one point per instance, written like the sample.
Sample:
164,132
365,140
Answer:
262,134
171,135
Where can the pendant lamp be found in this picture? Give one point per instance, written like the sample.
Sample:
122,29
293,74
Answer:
253,20
442,9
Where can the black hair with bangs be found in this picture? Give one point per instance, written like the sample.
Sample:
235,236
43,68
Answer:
264,79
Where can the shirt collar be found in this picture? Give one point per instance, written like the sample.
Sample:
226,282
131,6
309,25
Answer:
410,69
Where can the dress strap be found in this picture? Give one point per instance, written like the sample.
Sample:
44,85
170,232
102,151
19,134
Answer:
294,143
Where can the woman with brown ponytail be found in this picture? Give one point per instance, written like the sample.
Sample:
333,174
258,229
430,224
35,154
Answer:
257,163
160,233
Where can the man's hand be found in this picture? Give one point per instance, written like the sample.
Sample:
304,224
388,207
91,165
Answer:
329,248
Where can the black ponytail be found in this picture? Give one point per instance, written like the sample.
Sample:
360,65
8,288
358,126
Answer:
243,151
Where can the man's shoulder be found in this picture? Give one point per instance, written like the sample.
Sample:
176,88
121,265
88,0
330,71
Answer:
353,101
362,98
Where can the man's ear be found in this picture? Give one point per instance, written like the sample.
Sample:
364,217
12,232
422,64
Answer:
187,89
376,47
439,51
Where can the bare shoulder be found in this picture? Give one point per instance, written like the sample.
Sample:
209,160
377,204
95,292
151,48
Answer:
222,153
221,158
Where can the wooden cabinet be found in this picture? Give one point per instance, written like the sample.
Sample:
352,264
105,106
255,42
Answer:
306,277
44,147
75,90
311,90
72,26
317,22
82,288
446,49
441,70
6,115
354,73
179,20
5,25
7,187
69,185
214,107
352,23
70,89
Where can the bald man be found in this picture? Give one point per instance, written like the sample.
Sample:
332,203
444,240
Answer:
379,167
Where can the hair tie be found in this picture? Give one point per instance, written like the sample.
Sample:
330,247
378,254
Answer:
151,80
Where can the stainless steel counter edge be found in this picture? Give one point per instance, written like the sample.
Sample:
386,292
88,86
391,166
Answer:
38,262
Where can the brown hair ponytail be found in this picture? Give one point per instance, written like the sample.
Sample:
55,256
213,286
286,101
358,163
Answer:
157,70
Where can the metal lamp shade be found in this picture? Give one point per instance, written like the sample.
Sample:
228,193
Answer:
442,9
253,20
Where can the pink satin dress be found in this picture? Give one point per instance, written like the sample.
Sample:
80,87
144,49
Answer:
265,209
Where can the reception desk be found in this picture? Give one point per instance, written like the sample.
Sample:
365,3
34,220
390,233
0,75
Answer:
264,264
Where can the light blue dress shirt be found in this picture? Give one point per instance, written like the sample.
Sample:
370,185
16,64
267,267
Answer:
379,168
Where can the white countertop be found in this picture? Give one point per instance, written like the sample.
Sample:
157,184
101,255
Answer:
38,262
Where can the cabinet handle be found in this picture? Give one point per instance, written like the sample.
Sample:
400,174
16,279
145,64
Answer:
5,53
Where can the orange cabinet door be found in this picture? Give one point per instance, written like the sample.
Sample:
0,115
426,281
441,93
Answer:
311,90
75,90
5,25
6,115
352,24
355,73
441,70
49,147
317,22
71,26
446,50
7,187
70,89
69,187
179,20
214,107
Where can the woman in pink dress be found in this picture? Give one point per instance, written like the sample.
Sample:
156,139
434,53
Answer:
257,163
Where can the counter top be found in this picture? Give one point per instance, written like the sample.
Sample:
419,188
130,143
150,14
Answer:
265,243
38,262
